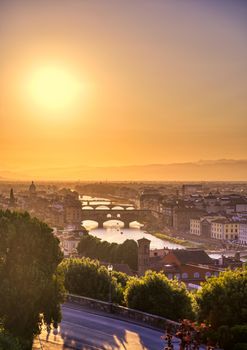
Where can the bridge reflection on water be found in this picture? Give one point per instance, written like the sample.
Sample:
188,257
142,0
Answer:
114,222
113,231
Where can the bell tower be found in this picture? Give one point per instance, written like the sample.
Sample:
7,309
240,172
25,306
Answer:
143,255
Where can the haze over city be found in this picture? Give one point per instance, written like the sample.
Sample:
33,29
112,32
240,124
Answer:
123,174
89,84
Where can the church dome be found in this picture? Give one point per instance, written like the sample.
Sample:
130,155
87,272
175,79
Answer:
32,188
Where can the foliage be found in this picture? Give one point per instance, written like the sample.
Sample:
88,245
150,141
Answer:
92,247
88,278
29,255
8,342
240,346
228,337
122,278
156,294
172,239
239,334
223,300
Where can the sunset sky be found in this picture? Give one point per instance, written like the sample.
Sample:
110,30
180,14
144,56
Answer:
121,82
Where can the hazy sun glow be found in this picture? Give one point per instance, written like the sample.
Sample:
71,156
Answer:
108,83
53,88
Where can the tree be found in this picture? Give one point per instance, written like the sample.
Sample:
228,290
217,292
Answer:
88,278
94,248
223,300
155,293
29,255
121,278
8,342
128,253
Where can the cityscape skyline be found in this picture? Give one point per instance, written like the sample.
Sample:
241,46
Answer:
123,174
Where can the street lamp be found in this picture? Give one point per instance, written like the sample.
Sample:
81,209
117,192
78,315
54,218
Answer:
110,268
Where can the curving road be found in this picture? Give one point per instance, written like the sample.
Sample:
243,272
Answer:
82,330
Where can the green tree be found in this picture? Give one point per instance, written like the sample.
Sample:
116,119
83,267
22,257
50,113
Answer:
156,294
88,278
30,287
128,253
8,342
223,300
92,247
121,278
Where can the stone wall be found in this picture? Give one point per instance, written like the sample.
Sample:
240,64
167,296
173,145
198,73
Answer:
130,314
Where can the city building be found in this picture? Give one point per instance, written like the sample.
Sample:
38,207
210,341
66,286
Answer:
151,199
188,189
182,216
243,232
72,212
202,226
224,229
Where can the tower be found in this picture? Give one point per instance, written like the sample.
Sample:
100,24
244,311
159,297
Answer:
32,189
143,255
11,198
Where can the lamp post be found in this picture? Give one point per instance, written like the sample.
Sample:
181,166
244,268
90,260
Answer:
110,268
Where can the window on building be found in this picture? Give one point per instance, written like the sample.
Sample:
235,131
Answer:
184,275
145,249
170,276
177,275
196,275
208,274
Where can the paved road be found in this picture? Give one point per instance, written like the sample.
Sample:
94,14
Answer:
83,330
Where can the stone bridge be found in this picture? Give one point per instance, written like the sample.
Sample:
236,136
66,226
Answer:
126,216
108,206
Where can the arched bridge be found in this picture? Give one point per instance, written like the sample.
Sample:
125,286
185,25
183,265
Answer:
126,216
108,206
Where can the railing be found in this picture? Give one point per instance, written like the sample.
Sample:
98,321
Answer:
37,344
130,314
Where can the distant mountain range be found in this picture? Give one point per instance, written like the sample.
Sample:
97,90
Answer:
203,170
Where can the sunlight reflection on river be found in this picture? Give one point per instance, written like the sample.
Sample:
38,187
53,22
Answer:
113,232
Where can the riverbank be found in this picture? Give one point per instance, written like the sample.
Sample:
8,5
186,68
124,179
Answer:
183,242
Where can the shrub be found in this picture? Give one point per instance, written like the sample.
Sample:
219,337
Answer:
156,294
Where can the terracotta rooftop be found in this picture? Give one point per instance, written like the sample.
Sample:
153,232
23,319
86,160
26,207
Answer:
186,256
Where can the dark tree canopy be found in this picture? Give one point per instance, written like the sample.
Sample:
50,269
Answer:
29,255
88,278
93,247
155,293
8,342
223,300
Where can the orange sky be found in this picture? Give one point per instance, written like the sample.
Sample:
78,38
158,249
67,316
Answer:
163,81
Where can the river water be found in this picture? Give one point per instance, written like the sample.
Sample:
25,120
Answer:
114,232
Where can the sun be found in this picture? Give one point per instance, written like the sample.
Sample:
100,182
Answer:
54,88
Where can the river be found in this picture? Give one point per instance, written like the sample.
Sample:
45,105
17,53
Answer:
114,232
119,235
